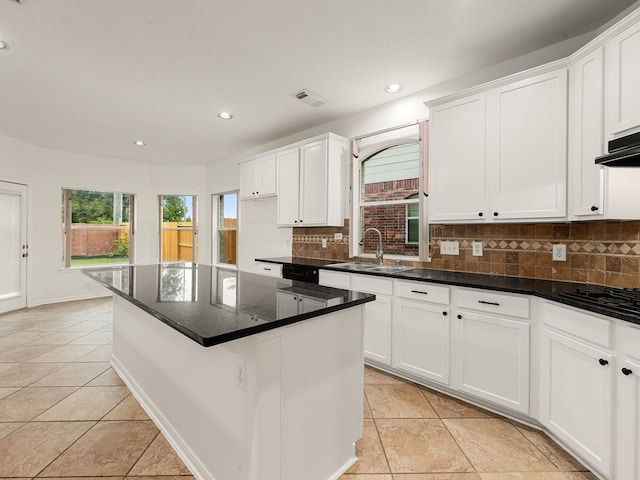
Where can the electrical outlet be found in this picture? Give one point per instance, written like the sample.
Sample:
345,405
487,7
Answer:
337,236
476,249
241,373
324,243
449,248
559,253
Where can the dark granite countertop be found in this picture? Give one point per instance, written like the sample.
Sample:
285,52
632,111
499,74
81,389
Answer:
550,290
215,305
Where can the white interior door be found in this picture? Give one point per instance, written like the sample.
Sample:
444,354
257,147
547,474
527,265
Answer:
13,246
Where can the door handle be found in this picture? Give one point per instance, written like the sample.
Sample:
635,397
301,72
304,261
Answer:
25,255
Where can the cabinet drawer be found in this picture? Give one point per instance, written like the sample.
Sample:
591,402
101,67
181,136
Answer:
581,325
422,291
371,284
270,269
630,338
492,302
335,279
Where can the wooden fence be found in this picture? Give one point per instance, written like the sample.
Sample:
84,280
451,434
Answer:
177,242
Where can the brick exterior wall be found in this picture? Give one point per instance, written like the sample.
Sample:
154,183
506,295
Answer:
92,243
389,219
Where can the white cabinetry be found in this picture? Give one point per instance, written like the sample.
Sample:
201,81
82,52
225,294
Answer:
527,147
623,77
310,183
628,407
421,330
457,168
595,191
258,177
269,269
292,302
491,347
576,385
500,154
377,322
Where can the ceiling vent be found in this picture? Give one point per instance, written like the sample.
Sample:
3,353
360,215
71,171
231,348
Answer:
310,98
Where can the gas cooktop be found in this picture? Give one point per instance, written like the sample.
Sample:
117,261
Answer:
621,300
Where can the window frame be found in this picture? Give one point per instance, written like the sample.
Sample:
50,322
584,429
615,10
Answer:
194,227
215,240
67,228
389,138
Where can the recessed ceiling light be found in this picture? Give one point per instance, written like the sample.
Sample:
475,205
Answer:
225,115
4,45
139,143
393,88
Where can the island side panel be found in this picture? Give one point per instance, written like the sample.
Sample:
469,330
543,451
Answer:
299,375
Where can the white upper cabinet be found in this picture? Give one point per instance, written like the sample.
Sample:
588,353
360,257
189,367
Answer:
527,147
311,183
501,154
622,63
258,177
586,136
457,142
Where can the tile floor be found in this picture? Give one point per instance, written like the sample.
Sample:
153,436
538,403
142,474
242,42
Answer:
65,413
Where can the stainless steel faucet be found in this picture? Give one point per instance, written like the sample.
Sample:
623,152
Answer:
379,254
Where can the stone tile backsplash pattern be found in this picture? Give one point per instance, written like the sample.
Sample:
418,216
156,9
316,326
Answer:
598,252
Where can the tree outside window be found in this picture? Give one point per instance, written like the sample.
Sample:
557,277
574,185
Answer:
179,228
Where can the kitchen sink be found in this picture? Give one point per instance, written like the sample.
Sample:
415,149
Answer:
354,266
391,269
372,267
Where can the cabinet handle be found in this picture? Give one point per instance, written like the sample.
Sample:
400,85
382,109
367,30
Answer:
495,214
489,303
445,313
300,299
459,317
603,362
267,269
626,371
420,291
295,221
257,193
300,220
594,208
480,214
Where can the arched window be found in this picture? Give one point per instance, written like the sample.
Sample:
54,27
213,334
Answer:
390,201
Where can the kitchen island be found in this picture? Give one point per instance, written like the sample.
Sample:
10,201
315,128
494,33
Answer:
249,377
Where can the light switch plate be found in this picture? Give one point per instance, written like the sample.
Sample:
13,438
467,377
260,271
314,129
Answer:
450,248
324,243
476,249
337,236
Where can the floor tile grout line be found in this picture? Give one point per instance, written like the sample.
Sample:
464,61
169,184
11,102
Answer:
142,454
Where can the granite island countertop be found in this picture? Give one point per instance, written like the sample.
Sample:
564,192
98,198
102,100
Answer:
214,305
547,289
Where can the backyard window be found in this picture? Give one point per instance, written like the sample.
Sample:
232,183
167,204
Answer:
227,228
389,200
179,228
97,227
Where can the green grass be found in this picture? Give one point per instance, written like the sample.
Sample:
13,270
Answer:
79,262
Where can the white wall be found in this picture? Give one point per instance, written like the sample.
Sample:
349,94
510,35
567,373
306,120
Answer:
46,171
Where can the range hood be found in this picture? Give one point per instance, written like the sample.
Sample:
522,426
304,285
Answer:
623,152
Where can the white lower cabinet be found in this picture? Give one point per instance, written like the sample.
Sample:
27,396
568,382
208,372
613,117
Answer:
627,458
576,383
377,321
491,359
421,335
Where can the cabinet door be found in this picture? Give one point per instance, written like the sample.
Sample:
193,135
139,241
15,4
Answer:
287,304
575,397
586,136
313,183
377,330
247,179
288,187
457,156
492,359
628,444
421,339
623,78
527,147
266,175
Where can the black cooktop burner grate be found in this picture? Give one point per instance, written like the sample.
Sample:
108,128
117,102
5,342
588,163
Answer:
623,300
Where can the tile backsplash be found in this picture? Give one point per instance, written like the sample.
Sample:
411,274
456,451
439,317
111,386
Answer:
598,252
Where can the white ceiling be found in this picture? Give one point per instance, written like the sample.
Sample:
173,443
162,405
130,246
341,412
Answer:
92,76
